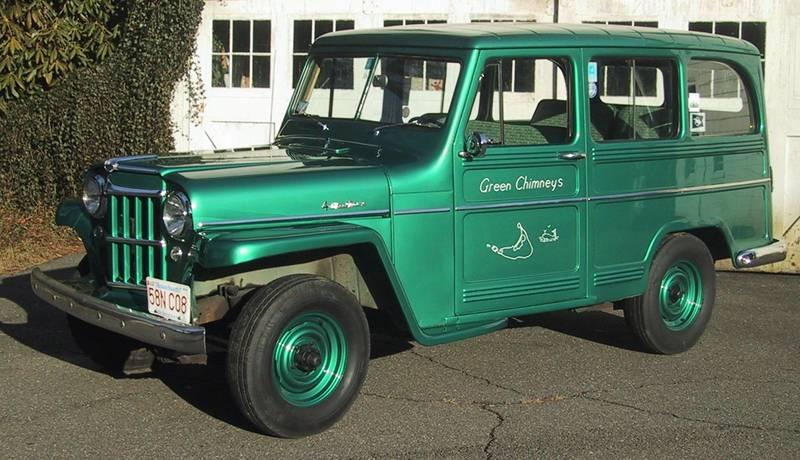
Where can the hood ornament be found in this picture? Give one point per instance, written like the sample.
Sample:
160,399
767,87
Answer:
346,205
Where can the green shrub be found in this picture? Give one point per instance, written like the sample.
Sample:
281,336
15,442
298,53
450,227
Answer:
118,107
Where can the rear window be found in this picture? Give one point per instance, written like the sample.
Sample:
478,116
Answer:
719,102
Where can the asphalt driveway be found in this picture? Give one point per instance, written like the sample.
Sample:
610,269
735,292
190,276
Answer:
567,384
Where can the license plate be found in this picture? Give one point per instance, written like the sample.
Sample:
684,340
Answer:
169,300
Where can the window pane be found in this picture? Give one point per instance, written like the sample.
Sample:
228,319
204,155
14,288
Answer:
345,24
437,21
220,70
322,27
297,68
411,22
413,72
302,36
435,76
261,36
617,80
707,27
523,76
639,101
241,36
526,120
728,111
755,33
620,23
221,36
241,72
261,71
392,22
508,72
480,20
729,29
646,80
653,24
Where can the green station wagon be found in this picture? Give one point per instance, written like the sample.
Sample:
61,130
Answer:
452,176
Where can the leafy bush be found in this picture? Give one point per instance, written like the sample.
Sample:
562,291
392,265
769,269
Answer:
118,107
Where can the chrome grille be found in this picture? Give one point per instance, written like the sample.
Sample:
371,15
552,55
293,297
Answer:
134,244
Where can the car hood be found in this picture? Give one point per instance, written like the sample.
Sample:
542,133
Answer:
264,186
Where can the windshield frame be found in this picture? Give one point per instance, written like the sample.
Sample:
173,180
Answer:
428,54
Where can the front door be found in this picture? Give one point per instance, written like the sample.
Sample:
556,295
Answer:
521,208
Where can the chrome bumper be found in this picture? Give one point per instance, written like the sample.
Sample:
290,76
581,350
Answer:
771,253
134,324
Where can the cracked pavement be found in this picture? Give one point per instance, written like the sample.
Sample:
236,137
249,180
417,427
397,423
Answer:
566,384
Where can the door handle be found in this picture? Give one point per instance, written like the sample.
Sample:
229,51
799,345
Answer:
572,156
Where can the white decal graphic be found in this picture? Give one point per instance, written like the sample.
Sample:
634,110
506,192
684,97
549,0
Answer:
520,250
522,183
549,235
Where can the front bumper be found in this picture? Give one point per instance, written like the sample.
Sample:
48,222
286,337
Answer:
134,324
771,253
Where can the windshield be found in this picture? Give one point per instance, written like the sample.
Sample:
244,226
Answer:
383,89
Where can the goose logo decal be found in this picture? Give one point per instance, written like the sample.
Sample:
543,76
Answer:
521,250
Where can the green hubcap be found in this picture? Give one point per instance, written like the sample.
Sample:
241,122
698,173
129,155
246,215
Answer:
681,295
309,359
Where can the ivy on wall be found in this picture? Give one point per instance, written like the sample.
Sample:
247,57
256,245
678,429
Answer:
119,106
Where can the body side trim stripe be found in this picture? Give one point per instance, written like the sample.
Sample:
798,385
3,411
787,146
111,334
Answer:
421,211
266,220
620,196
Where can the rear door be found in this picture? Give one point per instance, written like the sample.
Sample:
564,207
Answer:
520,210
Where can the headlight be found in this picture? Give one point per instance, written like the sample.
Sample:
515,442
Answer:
177,215
94,200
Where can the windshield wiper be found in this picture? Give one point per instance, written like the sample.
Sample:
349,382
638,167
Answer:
319,122
412,122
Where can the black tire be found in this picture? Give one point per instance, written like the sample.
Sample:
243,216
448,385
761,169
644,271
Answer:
111,351
254,362
673,312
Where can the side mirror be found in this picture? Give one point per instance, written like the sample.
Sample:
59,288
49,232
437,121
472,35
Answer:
477,143
380,81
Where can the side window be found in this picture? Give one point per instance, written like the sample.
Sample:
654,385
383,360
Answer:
523,101
632,99
719,103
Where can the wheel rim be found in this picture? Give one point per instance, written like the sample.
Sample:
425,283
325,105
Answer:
310,358
681,295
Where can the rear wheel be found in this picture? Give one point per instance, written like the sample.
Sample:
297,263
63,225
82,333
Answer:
673,312
297,356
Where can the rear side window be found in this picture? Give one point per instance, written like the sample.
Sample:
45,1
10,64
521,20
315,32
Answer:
632,99
719,102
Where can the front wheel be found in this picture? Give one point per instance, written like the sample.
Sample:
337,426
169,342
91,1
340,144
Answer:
298,355
673,312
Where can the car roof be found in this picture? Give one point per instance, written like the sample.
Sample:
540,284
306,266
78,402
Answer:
531,35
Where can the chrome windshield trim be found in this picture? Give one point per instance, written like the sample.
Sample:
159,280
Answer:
139,169
269,220
121,240
680,190
127,191
519,204
421,211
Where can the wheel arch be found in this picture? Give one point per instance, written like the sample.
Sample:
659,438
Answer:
234,253
715,235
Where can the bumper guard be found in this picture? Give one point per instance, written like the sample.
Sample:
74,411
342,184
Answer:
771,253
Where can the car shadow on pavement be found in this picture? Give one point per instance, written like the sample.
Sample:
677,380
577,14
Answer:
33,323
597,324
